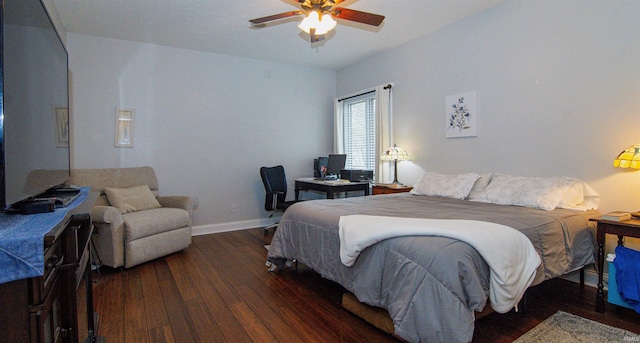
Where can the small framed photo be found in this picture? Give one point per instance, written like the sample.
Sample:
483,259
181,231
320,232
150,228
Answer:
61,115
124,128
462,115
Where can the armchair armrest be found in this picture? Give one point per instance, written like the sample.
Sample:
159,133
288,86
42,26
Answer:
108,235
187,203
106,215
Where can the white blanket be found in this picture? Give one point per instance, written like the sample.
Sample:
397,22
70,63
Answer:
511,257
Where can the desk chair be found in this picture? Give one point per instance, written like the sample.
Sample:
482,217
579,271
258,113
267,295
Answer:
275,184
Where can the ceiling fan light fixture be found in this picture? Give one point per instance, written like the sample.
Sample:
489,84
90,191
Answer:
322,24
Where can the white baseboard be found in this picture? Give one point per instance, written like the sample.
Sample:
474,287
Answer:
232,226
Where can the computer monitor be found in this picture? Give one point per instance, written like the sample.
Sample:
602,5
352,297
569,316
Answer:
336,163
318,163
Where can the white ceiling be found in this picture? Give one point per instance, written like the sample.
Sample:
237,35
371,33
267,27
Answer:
222,26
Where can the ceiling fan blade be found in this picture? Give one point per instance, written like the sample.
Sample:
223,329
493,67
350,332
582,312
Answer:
263,20
359,16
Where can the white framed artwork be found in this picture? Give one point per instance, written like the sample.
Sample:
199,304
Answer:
462,115
61,116
124,128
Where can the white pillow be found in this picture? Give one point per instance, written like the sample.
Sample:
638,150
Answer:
589,200
573,196
445,185
537,192
479,186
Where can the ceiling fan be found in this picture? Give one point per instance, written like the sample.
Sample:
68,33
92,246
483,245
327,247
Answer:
319,16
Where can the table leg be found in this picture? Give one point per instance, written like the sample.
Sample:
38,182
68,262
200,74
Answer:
600,294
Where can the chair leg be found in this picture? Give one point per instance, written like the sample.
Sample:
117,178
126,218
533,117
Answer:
267,228
96,262
292,264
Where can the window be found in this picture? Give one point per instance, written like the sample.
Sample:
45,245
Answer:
360,131
363,128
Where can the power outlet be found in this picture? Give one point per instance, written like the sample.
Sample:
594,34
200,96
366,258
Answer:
234,208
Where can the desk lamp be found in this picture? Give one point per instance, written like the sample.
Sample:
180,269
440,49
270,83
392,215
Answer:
395,154
629,158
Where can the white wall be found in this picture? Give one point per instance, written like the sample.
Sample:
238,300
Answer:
558,87
205,122
558,90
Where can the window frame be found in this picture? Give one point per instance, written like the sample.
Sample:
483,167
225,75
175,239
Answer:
383,127
367,159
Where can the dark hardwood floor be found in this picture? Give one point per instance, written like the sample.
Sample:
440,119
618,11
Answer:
219,290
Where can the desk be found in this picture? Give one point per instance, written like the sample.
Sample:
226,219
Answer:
329,187
630,228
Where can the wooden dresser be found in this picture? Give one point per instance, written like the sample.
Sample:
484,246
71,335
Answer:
389,189
57,306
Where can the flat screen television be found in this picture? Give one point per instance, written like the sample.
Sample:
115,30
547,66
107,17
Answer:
34,100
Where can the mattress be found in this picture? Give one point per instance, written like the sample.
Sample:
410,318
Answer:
431,286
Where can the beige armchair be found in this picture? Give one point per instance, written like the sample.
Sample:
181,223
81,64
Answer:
131,235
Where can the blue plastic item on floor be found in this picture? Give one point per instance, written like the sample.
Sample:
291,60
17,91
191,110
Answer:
613,297
625,278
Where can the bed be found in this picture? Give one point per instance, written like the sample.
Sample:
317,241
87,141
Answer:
431,286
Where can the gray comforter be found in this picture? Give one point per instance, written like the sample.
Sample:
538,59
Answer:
430,286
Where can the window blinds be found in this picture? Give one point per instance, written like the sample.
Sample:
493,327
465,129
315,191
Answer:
359,131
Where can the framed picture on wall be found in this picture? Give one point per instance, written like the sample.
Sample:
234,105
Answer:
462,115
124,128
61,116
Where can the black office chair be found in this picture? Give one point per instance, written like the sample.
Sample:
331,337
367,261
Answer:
275,184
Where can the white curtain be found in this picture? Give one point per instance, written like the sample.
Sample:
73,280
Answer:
338,127
384,129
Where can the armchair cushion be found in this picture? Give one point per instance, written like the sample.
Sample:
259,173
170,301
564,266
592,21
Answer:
132,199
154,221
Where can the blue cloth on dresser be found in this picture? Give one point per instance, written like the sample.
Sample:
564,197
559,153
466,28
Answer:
627,265
22,240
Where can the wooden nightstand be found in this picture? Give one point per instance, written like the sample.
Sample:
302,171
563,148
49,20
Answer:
389,189
629,228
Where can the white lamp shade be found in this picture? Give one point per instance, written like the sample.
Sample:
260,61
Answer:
394,153
313,21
